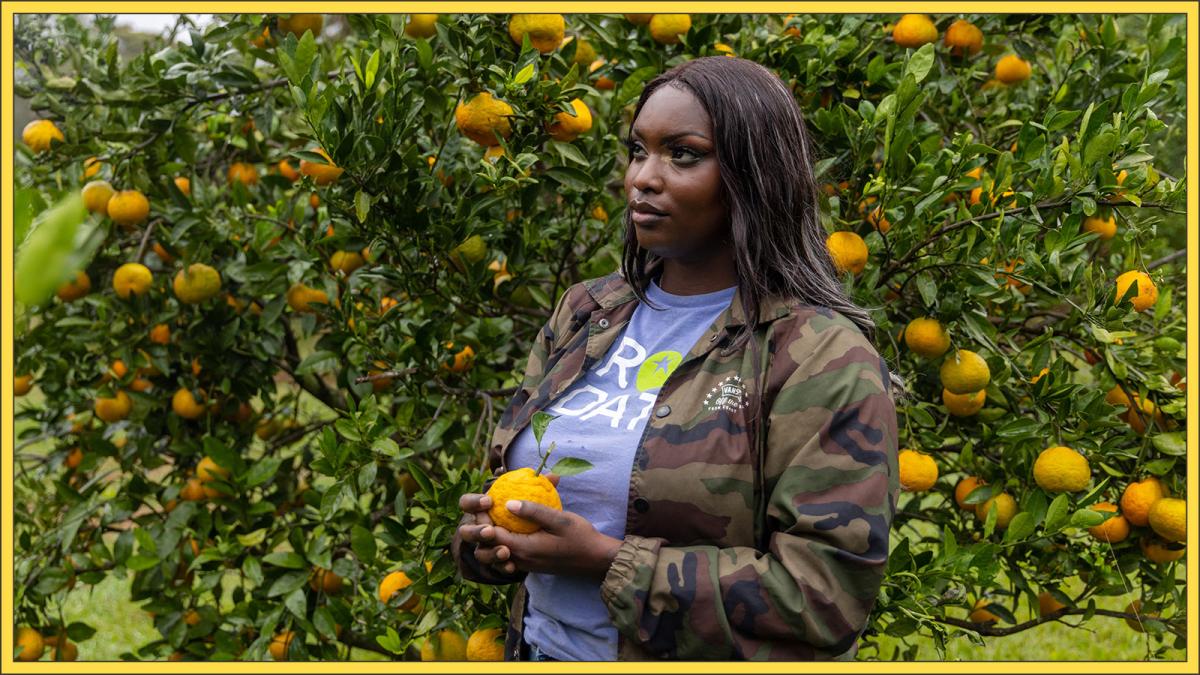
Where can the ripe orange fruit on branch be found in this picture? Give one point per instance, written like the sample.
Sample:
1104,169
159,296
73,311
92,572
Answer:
964,38
568,127
131,279
322,173
96,195
39,134
196,283
394,583
849,252
666,28
1146,294
965,372
421,25
1139,497
113,409
76,288
482,118
1113,530
914,30
545,31
1061,469
918,471
242,172
1012,69
927,337
128,208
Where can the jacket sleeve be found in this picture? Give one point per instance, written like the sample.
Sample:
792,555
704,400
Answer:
831,485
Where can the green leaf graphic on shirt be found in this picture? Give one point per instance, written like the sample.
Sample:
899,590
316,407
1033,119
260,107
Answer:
655,369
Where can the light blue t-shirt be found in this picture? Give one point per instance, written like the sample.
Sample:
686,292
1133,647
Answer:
601,418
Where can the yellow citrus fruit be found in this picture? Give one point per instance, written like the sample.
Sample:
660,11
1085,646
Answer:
545,31
22,384
160,334
76,288
1147,292
639,19
445,645
493,153
288,171
1006,508
1012,69
28,640
393,584
91,167
193,490
297,24
325,580
346,261
207,468
1159,551
965,372
666,28
585,53
132,278
792,29
848,250
568,127
1168,519
722,48
1139,498
242,172
196,283
299,296
421,25
914,30
1135,607
1105,228
39,134
314,201
113,409
964,38
322,173
964,405
279,645
979,613
482,118
96,195
1048,604
918,471
192,617
463,359
128,208
62,649
184,403
1061,469
472,250
184,184
927,337
486,644
521,484
1113,530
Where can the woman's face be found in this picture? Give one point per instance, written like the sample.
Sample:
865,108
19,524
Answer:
673,171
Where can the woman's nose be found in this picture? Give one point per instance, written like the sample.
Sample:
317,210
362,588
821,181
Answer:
646,175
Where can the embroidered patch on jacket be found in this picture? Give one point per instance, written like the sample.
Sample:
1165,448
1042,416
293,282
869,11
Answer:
729,395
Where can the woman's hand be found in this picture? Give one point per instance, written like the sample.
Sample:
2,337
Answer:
486,552
566,544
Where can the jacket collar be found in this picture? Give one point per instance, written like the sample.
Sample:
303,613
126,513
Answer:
613,290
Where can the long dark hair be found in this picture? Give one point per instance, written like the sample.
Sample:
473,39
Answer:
766,175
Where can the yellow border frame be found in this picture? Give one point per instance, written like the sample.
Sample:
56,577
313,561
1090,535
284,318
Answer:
7,149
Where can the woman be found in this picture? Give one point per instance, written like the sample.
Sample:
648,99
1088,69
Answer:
727,393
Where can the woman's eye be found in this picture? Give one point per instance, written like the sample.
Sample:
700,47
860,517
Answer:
675,152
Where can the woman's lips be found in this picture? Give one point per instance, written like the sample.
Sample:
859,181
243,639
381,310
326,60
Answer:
644,218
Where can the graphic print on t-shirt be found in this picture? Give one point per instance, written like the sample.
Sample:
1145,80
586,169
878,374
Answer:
625,408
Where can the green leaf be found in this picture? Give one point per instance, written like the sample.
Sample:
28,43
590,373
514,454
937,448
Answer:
1100,147
540,421
372,69
526,74
1017,428
317,362
363,544
323,621
920,62
1086,518
262,471
1061,119
386,447
1020,527
253,538
252,568
570,466
287,583
140,562
362,205
1056,514
80,631
44,260
287,559
1172,443
297,603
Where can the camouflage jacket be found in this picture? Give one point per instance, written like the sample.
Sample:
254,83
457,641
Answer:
762,491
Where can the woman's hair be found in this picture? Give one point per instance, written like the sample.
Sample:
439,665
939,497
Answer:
767,182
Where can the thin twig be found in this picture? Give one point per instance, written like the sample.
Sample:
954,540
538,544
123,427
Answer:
1169,258
146,238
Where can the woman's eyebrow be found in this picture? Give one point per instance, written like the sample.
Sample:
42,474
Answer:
670,137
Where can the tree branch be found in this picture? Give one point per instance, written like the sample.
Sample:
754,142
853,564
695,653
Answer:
992,631
1169,258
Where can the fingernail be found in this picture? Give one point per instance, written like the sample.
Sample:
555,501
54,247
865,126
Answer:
486,531
513,505
485,502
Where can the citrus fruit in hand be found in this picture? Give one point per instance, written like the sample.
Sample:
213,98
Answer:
521,484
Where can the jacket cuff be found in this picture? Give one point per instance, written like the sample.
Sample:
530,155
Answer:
632,567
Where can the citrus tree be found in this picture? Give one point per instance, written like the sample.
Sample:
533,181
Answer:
276,282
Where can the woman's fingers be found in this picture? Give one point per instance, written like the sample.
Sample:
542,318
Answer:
492,555
473,502
479,533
